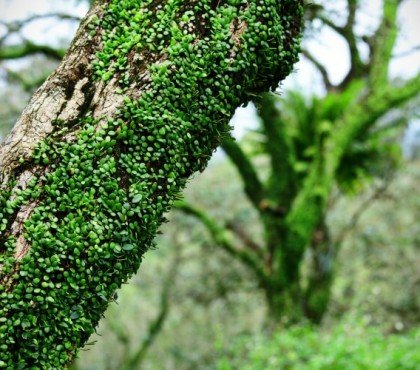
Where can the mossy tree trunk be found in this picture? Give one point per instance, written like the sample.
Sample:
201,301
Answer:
140,102
321,274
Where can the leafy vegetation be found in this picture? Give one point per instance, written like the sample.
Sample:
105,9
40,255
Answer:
346,347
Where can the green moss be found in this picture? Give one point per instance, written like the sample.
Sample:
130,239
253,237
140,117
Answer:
101,202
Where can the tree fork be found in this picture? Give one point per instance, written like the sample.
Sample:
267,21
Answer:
140,102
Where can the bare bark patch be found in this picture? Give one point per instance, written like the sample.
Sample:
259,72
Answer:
237,28
106,100
17,229
74,104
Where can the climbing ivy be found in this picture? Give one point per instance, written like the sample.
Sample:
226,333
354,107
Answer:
104,193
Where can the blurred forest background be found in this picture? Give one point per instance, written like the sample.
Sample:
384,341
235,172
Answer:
298,247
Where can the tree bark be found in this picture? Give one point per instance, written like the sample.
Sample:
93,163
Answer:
141,100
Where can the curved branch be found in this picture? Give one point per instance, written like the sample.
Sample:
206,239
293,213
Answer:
253,186
377,193
329,23
245,238
321,69
17,25
221,238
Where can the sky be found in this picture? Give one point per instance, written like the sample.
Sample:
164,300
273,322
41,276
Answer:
329,48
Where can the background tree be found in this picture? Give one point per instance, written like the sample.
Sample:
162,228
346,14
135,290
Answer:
139,103
313,146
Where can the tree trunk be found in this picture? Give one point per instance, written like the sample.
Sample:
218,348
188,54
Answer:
284,307
318,292
140,102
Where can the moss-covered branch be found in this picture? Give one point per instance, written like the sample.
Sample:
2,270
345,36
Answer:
383,43
140,102
281,152
362,116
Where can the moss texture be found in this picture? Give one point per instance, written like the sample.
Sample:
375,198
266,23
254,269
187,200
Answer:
98,208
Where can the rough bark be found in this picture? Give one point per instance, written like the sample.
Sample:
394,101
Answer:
141,100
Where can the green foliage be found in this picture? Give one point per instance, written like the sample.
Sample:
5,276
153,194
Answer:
308,121
345,348
104,195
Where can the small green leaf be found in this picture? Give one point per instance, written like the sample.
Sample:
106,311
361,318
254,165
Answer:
137,198
128,247
74,315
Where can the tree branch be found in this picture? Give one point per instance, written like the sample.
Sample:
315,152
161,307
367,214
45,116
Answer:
16,26
329,23
19,24
368,110
280,148
245,238
311,201
352,6
406,53
29,48
253,186
221,238
357,67
321,69
139,103
382,44
377,193
136,359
